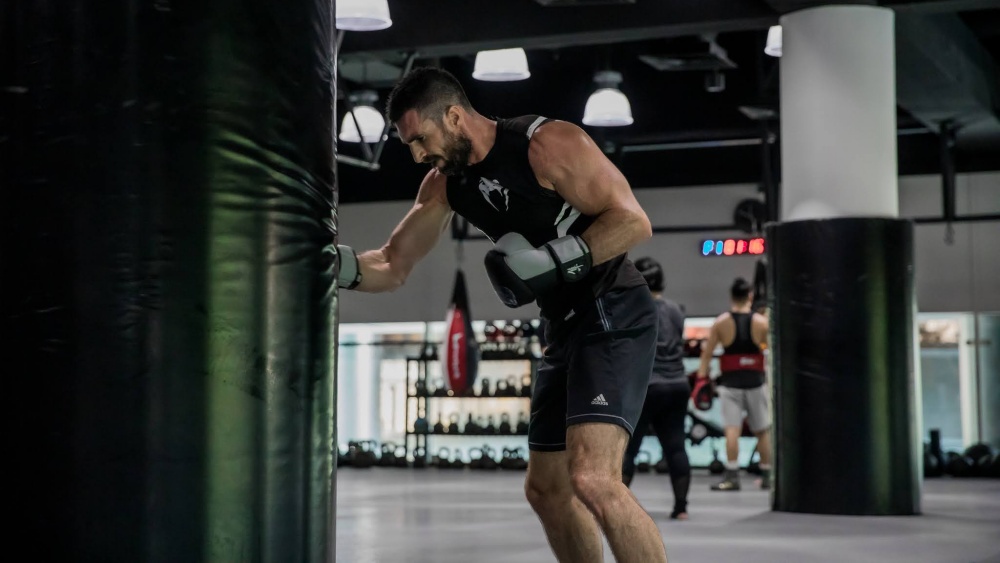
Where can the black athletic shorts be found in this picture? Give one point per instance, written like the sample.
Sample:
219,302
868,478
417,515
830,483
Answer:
596,367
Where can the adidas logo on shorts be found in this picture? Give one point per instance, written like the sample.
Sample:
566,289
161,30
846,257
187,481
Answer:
600,400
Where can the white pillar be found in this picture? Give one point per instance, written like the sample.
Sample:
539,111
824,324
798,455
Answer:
838,113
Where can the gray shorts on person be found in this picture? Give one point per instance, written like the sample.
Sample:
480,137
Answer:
755,402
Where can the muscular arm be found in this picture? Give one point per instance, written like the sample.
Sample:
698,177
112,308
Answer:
387,268
567,160
759,330
708,349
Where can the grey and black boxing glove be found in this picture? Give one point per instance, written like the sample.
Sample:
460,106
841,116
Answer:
520,272
350,273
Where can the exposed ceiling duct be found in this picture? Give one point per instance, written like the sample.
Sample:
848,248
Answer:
944,75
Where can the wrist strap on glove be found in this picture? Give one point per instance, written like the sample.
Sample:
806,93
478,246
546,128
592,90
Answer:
350,273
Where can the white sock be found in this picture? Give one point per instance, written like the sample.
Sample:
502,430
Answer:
765,466
733,465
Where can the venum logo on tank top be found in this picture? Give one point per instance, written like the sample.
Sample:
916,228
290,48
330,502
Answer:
496,195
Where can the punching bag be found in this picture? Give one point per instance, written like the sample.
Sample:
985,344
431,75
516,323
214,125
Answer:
167,216
461,351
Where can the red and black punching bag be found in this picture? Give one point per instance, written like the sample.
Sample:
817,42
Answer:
461,350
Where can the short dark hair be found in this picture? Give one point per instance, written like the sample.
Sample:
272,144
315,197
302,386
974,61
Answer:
429,90
740,290
652,272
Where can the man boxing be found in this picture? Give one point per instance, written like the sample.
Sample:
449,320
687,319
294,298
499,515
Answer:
668,393
562,218
741,386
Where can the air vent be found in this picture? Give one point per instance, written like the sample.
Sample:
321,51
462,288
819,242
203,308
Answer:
712,58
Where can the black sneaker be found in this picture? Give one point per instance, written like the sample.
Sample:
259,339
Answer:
765,479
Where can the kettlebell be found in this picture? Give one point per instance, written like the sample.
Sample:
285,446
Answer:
439,426
475,458
470,426
643,460
441,459
661,466
400,457
488,461
453,421
504,427
511,386
501,389
388,457
419,458
522,424
490,426
420,426
716,467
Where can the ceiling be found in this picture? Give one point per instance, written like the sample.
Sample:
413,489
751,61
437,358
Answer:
683,135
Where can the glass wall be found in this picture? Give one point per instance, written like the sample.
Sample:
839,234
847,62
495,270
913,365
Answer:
960,387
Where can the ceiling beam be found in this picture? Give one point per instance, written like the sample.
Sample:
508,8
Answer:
437,28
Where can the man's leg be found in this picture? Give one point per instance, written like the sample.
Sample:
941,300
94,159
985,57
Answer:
732,421
759,417
569,526
634,443
669,411
595,458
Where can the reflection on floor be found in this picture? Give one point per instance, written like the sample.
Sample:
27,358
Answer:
414,516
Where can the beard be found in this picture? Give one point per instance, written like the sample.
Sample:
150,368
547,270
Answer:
456,154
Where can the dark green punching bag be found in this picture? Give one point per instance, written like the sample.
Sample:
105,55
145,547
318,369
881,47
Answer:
167,302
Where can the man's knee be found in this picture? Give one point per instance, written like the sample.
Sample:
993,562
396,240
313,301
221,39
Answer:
545,492
595,488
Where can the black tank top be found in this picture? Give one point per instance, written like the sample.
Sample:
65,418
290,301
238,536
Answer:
501,194
742,344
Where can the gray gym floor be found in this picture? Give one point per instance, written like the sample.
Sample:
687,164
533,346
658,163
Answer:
413,516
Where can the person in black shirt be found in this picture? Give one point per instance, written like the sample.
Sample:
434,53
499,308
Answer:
741,387
668,393
562,218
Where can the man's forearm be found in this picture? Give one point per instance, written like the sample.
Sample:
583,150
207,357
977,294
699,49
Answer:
706,358
377,274
615,232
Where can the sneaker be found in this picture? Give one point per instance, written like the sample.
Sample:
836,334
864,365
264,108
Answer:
765,480
726,485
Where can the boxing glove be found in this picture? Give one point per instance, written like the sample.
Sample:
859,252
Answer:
520,272
349,275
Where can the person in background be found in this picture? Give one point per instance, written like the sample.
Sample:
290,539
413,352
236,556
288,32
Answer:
667,395
741,387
